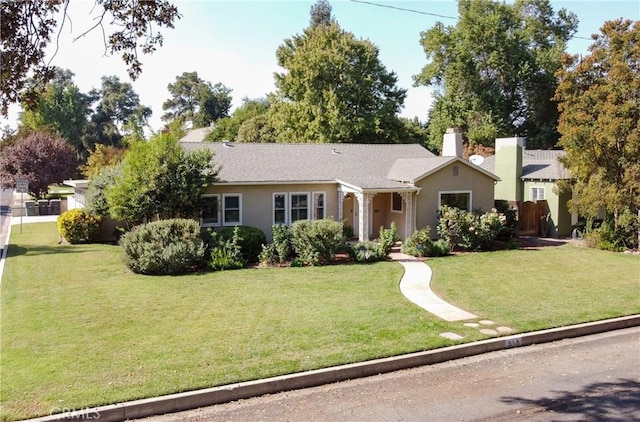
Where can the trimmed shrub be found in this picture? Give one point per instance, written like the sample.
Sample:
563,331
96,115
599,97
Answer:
164,247
419,243
464,230
316,242
78,226
280,249
368,252
226,254
250,240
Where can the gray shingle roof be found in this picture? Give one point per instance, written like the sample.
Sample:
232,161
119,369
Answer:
536,164
362,165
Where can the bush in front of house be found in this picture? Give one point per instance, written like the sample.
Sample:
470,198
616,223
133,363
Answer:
316,242
609,237
250,240
387,238
509,230
418,244
164,247
368,251
78,226
468,231
279,250
377,250
226,253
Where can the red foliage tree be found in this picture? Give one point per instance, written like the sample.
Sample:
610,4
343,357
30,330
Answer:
41,158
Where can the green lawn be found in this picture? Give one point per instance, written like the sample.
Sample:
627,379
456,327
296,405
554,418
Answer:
78,329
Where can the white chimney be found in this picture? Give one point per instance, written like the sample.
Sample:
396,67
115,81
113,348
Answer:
452,143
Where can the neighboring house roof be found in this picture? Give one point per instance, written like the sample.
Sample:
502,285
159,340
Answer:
537,164
196,135
362,166
411,170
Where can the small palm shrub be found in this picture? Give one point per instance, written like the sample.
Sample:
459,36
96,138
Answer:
164,247
316,242
226,254
78,226
279,250
250,240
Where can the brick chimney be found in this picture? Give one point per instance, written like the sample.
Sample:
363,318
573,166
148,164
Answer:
452,143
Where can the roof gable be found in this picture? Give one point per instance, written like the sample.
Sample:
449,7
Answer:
412,170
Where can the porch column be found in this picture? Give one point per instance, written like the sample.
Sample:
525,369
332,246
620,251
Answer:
364,200
407,197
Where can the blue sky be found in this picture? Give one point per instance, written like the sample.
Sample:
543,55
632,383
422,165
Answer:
234,42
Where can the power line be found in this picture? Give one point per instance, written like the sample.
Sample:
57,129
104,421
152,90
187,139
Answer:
404,10
427,13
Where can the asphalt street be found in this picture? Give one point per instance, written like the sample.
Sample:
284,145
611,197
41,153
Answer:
592,378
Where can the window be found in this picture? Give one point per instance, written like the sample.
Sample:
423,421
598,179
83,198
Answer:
279,208
460,200
299,208
232,209
210,211
318,205
396,202
536,194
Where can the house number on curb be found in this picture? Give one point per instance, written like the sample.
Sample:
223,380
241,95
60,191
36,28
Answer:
513,342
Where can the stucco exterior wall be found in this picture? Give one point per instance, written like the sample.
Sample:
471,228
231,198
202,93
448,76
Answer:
560,220
257,201
480,185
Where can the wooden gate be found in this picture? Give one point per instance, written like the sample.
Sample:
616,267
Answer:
531,216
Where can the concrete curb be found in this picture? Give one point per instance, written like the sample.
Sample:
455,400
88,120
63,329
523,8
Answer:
5,249
217,395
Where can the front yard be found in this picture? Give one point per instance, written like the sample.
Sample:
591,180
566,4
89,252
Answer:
79,329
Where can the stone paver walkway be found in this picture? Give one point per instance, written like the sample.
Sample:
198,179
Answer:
415,285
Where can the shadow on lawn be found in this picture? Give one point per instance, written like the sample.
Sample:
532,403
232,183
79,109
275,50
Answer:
15,250
601,401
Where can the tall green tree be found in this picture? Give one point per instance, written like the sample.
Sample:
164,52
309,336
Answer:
226,129
61,108
334,89
599,101
494,71
196,101
117,109
27,27
119,101
321,14
160,180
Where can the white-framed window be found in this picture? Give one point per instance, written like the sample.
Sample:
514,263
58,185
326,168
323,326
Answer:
319,205
298,206
536,193
210,210
279,208
232,209
396,202
458,199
